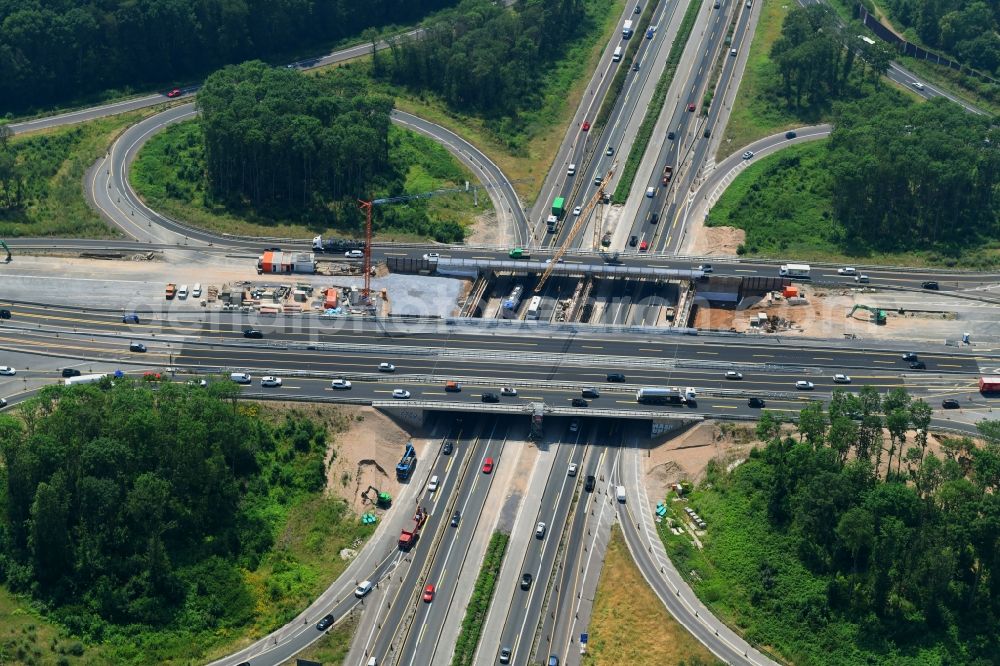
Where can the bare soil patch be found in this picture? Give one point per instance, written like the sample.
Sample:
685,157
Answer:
715,241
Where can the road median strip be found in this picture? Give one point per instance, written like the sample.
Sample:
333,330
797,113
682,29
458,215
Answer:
479,604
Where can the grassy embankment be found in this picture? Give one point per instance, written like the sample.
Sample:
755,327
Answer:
168,174
528,155
655,105
55,162
332,649
630,625
479,604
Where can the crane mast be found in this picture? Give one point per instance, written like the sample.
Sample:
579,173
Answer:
575,229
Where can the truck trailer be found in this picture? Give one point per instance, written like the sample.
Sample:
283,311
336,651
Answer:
989,384
408,537
83,379
655,395
627,29
336,244
794,270
559,207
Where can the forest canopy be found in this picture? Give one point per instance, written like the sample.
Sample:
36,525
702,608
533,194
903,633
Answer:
968,29
126,507
59,50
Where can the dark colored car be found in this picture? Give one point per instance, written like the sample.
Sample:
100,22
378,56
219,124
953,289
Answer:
909,356
933,286
526,581
654,218
579,402
448,448
3,402
950,403
590,483
455,518
671,135
130,318
790,135
491,397
252,333
70,372
633,241
4,314
136,347
326,622
707,133
590,393
505,655
616,377
756,402
918,365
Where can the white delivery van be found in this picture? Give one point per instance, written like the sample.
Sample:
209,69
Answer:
618,54
240,377
196,291
183,291
620,493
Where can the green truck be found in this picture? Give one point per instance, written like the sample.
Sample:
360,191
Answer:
559,207
519,253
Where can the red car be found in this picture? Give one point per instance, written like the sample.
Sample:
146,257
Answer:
585,126
643,246
488,466
176,92
691,107
151,376
429,593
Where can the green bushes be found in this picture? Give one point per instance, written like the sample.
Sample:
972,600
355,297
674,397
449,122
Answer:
655,105
479,604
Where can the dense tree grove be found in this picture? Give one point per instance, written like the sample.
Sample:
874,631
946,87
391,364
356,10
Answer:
59,50
125,506
277,140
904,545
910,176
485,58
813,62
966,28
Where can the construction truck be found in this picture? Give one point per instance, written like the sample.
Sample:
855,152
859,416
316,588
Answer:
171,291
878,315
408,537
668,173
406,464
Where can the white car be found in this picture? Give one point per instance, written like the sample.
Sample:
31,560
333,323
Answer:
432,485
7,370
432,256
363,588
571,471
340,384
386,367
841,379
508,390
803,385
400,394
861,279
733,374
577,210
749,154
270,381
847,270
183,291
918,85
196,290
704,268
198,382
354,254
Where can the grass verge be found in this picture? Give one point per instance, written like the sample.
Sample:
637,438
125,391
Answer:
27,637
479,604
54,163
169,175
630,625
783,202
655,105
544,127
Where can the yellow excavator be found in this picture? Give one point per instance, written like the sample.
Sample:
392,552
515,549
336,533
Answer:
877,315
